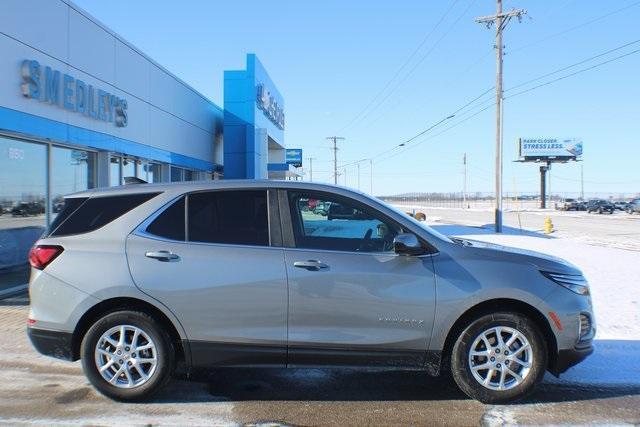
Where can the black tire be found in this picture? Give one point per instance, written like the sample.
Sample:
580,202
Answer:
461,369
165,364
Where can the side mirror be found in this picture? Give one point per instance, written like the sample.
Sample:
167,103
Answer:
407,244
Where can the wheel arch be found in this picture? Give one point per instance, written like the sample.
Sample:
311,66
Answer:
495,305
183,355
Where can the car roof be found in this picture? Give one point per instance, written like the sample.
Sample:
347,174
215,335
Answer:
184,187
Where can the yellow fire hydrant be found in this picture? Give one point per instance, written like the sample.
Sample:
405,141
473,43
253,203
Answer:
548,225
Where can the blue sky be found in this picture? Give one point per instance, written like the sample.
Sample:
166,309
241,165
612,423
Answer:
332,59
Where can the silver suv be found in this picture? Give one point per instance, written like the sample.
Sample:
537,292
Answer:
147,281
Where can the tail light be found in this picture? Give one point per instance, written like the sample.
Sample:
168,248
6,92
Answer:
41,255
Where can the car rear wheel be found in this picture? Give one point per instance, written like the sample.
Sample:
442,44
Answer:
126,356
499,358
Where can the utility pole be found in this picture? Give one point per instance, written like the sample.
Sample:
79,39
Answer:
582,180
345,176
310,167
358,164
464,183
500,20
335,140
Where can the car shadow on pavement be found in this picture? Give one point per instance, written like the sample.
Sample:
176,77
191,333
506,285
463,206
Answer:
240,385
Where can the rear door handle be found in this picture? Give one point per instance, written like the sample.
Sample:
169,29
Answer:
164,256
311,265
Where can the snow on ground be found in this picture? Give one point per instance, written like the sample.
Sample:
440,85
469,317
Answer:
613,275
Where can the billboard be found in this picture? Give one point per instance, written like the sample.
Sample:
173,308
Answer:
293,156
549,149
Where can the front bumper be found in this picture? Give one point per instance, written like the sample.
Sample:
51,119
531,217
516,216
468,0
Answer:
52,343
571,357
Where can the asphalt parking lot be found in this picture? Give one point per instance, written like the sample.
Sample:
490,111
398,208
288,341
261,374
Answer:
40,390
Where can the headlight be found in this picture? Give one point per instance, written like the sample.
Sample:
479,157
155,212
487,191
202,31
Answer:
575,283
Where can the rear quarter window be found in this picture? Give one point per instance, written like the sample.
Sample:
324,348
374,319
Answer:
96,212
170,223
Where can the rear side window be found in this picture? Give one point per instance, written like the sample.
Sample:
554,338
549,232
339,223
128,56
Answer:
170,223
232,217
69,207
97,212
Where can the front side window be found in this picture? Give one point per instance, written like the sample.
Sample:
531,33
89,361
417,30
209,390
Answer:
229,217
339,224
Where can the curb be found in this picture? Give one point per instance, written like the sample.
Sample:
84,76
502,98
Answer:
16,290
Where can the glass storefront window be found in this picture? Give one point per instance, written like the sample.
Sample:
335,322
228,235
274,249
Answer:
150,172
114,171
71,171
128,168
176,174
22,206
188,175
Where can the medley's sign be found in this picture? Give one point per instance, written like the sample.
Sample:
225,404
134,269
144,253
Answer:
54,87
550,148
267,103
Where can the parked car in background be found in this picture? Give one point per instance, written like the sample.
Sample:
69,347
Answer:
145,280
568,205
600,206
27,209
620,205
633,206
321,208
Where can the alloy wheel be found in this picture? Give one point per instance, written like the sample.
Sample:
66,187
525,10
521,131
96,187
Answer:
126,356
500,358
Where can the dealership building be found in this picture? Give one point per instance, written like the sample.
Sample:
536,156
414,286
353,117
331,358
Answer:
80,107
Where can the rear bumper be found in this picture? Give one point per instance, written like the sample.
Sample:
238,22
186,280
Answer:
571,357
52,343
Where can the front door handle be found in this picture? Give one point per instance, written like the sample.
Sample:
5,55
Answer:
164,256
311,265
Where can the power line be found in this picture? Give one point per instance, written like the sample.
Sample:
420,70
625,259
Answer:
573,65
574,73
430,128
551,36
406,62
417,64
575,27
439,133
533,88
486,107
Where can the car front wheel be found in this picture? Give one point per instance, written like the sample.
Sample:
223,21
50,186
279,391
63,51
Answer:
499,357
126,356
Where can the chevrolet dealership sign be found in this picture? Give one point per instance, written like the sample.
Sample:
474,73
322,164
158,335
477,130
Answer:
550,148
54,87
267,103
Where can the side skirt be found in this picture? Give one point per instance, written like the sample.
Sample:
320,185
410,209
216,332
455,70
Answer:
206,355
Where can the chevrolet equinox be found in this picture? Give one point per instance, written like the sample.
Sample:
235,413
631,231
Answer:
146,281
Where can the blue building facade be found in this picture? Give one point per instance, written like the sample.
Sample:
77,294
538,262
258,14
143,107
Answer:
254,122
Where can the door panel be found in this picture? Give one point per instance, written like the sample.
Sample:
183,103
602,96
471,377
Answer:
361,309
352,300
222,294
